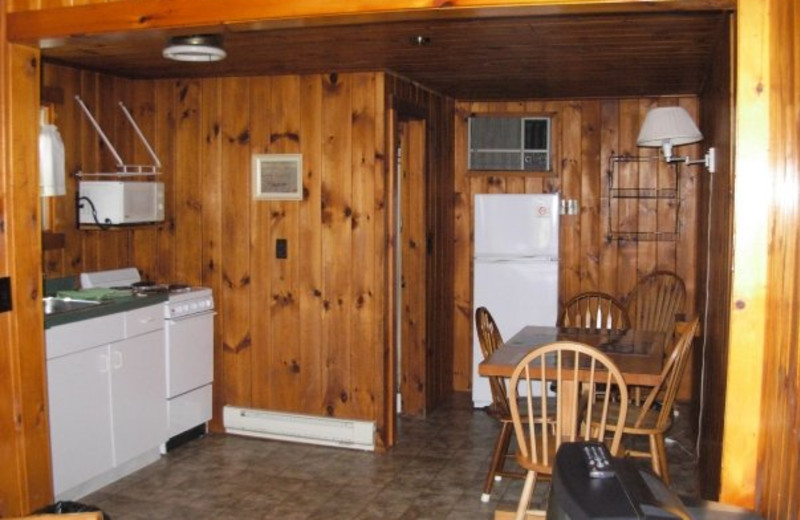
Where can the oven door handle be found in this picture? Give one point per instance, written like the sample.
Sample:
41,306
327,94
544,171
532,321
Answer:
191,316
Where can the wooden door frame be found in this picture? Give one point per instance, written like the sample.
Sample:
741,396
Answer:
397,110
25,479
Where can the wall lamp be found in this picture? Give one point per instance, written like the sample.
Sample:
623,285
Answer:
666,127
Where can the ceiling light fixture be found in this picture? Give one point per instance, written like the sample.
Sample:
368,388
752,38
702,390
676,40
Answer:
666,127
196,48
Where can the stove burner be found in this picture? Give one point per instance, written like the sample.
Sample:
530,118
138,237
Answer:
178,288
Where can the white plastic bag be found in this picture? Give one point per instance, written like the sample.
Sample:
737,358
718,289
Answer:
52,166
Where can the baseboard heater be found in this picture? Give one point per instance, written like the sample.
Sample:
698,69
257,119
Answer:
309,429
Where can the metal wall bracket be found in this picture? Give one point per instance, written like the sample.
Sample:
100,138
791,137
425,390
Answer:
123,168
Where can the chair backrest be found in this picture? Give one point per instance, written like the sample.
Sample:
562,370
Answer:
552,365
594,310
655,301
671,376
490,339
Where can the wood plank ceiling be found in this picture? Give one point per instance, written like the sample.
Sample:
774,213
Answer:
558,56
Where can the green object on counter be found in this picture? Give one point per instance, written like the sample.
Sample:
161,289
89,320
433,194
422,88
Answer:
96,294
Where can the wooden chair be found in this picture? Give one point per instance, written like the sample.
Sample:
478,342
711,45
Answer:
490,338
655,301
594,310
574,399
653,304
653,421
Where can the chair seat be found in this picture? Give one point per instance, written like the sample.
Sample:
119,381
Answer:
543,468
648,424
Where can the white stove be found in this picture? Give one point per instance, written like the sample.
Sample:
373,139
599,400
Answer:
187,302
189,338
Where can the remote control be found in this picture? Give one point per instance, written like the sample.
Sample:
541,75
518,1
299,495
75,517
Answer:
598,460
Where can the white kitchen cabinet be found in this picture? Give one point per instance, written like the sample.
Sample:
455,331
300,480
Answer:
80,417
138,387
106,388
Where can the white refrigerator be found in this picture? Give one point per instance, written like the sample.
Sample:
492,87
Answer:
515,268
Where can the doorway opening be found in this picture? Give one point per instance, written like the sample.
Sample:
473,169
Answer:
410,264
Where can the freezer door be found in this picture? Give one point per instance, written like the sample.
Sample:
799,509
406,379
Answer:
517,293
516,225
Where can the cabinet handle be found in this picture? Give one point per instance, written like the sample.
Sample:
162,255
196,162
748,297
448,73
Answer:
117,359
103,364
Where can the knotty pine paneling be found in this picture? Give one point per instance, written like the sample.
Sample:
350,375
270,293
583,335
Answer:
302,334
586,133
714,261
237,215
369,235
88,250
434,369
413,330
211,174
25,478
778,472
336,200
35,5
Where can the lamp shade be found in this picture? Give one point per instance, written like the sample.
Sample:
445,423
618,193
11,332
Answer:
668,126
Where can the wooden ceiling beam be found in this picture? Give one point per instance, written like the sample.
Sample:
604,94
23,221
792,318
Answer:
40,26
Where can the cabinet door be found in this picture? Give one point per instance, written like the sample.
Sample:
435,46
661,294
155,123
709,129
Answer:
138,393
80,417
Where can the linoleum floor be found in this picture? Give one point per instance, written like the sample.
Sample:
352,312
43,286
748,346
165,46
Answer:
435,471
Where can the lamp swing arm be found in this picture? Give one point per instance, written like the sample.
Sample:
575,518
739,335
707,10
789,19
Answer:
709,160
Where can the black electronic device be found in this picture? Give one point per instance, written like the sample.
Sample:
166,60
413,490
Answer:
590,484
598,460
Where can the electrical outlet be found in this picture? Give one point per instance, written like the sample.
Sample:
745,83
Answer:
281,248
5,294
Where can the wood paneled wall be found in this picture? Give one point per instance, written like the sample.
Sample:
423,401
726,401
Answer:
25,482
778,461
586,134
304,334
715,247
435,364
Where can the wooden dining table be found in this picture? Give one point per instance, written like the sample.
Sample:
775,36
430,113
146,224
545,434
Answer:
638,354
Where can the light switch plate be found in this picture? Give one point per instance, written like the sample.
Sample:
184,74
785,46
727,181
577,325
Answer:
5,294
281,248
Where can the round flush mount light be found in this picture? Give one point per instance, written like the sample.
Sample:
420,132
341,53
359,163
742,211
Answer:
197,48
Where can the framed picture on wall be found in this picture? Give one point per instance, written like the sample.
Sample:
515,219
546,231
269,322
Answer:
278,176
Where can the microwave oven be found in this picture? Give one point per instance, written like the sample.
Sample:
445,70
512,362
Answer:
115,203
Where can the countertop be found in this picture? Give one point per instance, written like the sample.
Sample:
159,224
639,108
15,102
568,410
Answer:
104,308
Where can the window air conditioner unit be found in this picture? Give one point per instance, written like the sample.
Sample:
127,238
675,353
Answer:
510,143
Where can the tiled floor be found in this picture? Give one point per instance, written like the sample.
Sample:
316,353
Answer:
436,471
